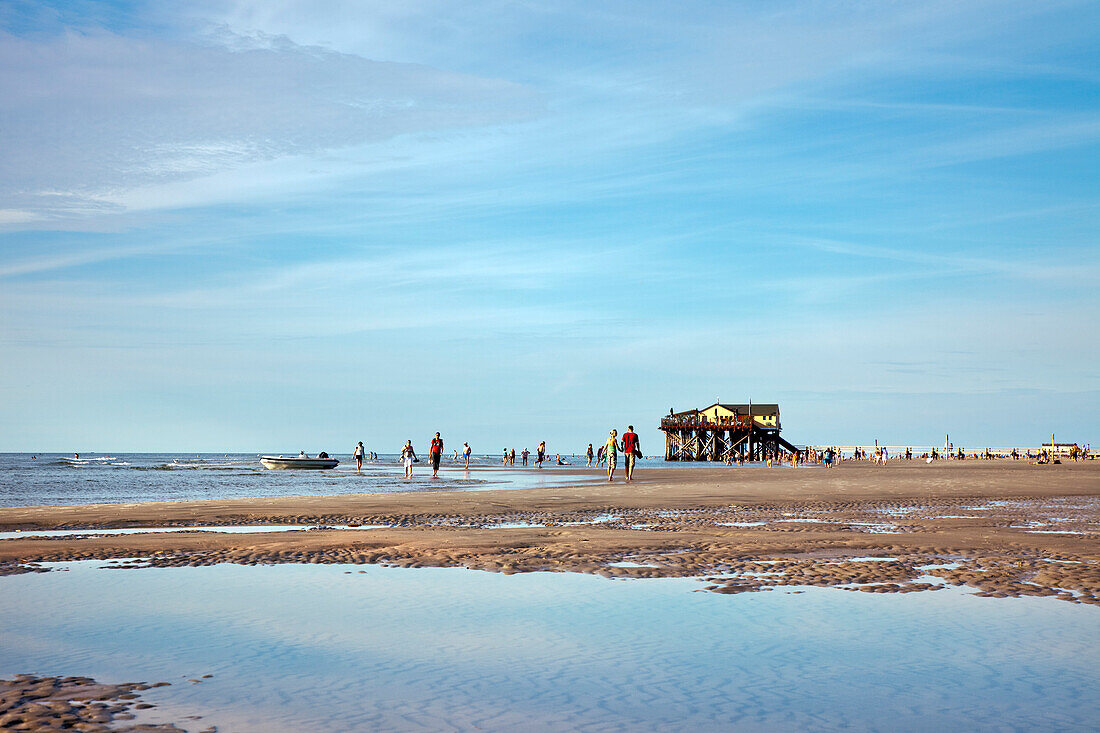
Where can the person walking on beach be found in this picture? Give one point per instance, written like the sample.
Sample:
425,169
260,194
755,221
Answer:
589,455
524,455
504,460
466,455
511,456
358,454
611,453
408,455
435,452
540,456
631,450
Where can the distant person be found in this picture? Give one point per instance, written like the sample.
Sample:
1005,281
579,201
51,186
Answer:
524,455
435,452
302,454
358,454
504,459
540,455
322,454
466,450
588,455
631,450
599,456
408,455
611,453
511,456
561,462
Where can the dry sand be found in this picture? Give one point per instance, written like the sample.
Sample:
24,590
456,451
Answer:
1002,528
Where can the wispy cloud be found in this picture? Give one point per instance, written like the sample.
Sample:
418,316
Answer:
91,113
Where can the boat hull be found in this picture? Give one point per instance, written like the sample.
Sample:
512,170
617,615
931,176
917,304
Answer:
315,464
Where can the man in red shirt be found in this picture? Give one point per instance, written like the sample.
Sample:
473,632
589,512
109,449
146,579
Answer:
630,448
435,451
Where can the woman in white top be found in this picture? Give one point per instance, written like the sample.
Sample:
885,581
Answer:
358,454
408,455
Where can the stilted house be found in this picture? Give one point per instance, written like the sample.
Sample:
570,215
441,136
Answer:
724,432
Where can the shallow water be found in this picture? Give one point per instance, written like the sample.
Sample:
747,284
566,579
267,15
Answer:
337,648
228,529
50,479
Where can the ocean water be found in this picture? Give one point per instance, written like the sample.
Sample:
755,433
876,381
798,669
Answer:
350,648
94,478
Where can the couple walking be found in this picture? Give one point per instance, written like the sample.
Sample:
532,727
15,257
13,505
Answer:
435,453
630,447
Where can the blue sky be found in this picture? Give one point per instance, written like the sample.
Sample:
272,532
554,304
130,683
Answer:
272,225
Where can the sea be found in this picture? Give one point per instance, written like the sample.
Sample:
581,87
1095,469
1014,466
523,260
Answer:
46,479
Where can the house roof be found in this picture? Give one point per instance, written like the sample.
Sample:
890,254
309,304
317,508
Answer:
760,409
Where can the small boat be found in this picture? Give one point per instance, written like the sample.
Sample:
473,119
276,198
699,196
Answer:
298,462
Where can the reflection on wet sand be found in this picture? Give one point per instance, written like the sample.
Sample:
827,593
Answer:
257,648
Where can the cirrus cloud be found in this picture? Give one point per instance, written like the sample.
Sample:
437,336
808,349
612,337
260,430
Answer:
91,115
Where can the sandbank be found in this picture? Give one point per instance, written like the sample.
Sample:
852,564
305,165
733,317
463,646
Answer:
1002,528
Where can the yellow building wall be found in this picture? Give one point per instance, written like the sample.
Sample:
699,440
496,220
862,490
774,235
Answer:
715,412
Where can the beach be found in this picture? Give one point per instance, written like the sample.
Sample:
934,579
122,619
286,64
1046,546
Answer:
993,532
1014,515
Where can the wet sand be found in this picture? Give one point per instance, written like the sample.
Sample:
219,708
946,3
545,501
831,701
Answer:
29,703
1001,528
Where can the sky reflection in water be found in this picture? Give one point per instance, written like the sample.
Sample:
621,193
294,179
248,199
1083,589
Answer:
305,647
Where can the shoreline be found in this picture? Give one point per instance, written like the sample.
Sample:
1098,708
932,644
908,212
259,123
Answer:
753,528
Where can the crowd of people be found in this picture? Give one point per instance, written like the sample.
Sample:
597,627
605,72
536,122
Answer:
629,445
607,455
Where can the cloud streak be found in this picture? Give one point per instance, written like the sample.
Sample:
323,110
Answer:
89,114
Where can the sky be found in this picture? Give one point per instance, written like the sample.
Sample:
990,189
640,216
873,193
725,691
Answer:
272,225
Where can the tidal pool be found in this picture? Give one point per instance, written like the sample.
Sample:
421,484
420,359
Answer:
339,648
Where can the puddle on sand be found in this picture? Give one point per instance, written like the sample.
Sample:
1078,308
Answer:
231,529
513,525
1054,531
901,509
598,519
431,649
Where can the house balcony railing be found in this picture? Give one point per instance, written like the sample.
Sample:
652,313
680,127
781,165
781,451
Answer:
740,422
